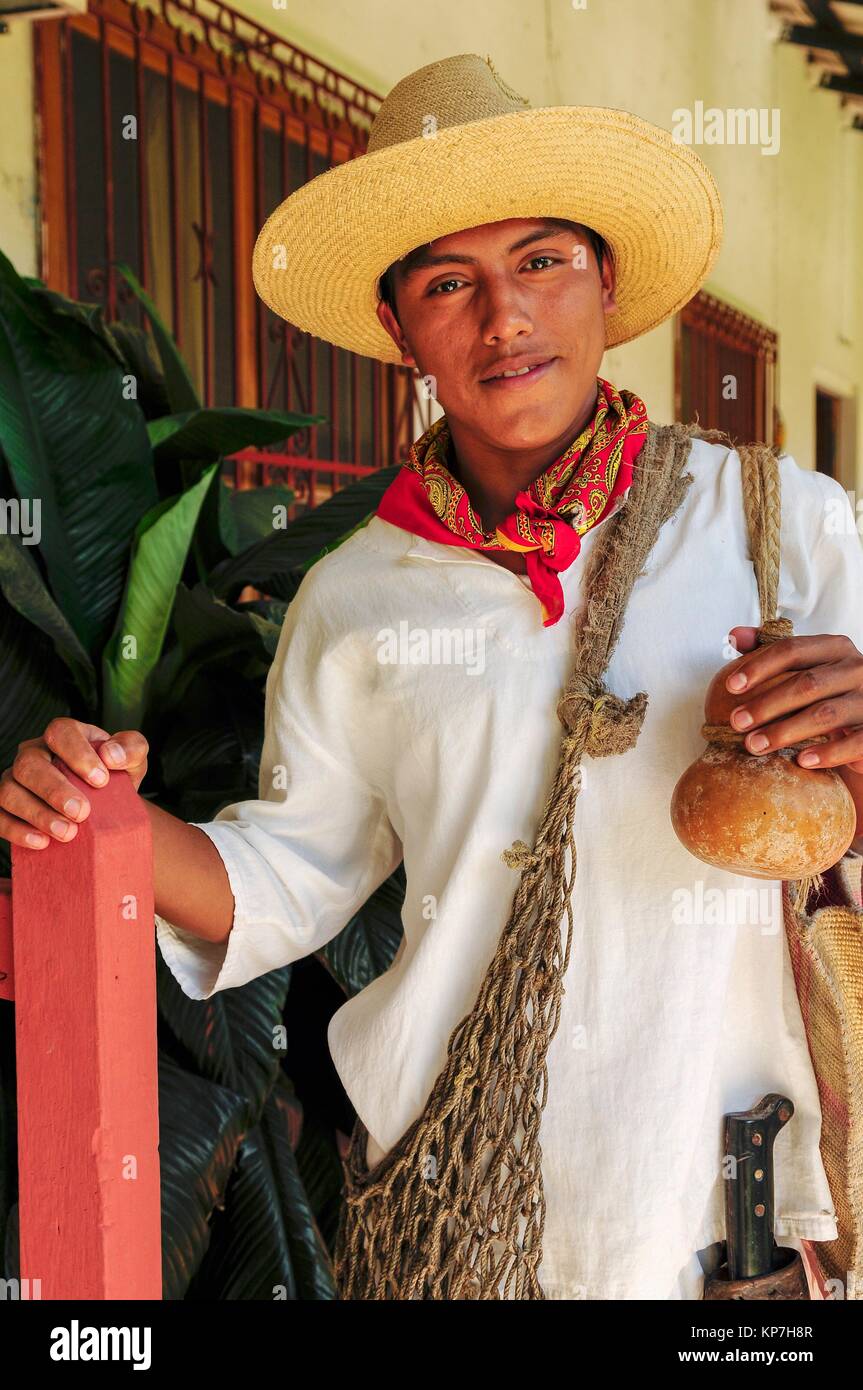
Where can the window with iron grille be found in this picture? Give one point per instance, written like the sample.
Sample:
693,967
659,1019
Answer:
725,370
168,131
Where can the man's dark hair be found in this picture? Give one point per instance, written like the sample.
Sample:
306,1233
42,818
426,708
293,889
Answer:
386,282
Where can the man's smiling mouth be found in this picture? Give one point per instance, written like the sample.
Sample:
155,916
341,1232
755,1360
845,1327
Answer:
519,372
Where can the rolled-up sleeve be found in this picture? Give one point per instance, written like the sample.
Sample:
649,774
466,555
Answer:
305,856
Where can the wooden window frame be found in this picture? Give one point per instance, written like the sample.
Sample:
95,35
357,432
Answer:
720,323
267,84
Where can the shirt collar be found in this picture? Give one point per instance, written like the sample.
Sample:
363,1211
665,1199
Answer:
422,549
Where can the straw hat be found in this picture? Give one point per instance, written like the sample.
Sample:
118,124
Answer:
453,147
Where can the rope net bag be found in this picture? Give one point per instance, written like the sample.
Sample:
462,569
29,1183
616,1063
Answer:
456,1209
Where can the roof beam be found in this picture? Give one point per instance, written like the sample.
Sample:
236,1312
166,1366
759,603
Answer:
832,40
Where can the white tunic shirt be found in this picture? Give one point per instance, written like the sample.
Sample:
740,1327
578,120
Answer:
678,1005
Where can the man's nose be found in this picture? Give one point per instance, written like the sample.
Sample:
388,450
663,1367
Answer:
504,312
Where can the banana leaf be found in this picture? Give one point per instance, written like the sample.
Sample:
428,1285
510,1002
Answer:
159,552
272,565
34,682
201,1128
246,517
179,388
209,749
23,587
208,633
75,445
129,345
210,434
321,1174
232,1039
266,1244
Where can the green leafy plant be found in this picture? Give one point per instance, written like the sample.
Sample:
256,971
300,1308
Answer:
126,611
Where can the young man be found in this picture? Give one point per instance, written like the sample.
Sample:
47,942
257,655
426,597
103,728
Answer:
411,704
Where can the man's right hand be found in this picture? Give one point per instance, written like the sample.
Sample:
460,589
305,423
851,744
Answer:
33,790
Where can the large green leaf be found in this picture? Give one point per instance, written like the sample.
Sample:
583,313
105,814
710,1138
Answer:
25,590
209,632
92,316
266,1244
232,1039
211,434
158,556
33,682
76,446
210,746
247,516
178,382
201,1127
134,347
127,343
320,1170
272,565
33,691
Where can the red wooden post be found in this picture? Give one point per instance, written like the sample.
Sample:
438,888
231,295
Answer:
7,972
85,1029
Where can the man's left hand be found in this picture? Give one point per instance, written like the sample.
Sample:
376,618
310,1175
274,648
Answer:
824,697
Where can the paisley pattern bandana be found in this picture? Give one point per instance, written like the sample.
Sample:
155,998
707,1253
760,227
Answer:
574,493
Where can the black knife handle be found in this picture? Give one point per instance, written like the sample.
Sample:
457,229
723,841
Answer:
749,1139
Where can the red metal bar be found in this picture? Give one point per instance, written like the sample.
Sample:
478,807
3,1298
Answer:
311,355
143,248
286,467
392,381
376,412
258,157
69,139
179,335
85,1033
216,20
355,406
7,965
287,335
334,405
203,155
108,173
273,460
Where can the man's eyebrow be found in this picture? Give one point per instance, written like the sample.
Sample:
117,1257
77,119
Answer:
423,259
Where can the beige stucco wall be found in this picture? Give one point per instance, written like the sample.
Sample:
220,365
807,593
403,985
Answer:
18,208
793,252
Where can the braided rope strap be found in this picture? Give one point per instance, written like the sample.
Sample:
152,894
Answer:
456,1209
762,505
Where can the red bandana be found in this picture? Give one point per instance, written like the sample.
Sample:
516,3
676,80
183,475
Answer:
574,493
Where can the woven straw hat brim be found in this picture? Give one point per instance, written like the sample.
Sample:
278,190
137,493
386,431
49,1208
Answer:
318,256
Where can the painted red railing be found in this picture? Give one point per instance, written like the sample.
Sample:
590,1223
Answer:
77,955
260,468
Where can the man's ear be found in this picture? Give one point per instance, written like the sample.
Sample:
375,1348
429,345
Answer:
393,327
608,282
